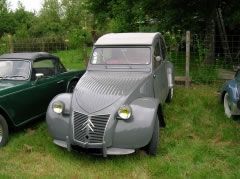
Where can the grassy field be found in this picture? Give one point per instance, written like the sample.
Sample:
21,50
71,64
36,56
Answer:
199,141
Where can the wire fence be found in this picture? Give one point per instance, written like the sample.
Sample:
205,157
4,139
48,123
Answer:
211,59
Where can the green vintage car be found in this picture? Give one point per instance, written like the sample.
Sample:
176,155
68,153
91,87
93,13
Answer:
28,82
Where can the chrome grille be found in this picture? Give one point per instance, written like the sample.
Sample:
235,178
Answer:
99,123
89,128
79,120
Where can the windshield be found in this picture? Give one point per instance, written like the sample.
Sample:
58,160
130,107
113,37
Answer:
14,69
121,56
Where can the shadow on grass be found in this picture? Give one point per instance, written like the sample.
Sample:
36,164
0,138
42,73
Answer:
32,125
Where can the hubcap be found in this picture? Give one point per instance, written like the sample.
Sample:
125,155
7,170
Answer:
1,133
227,106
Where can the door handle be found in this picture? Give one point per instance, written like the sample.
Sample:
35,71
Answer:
154,76
59,82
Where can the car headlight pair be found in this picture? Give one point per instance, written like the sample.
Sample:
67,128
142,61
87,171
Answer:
58,107
125,112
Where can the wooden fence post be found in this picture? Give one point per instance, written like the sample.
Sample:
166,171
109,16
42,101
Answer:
10,43
187,75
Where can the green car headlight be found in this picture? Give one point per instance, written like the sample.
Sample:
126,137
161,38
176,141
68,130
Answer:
125,112
58,107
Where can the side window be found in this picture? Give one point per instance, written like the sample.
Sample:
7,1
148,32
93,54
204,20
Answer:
44,66
156,53
61,68
163,49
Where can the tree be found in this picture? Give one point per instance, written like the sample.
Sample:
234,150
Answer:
6,19
116,15
49,22
24,20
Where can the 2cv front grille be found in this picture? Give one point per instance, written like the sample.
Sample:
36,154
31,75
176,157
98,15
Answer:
89,128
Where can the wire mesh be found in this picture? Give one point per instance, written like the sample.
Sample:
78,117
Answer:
211,61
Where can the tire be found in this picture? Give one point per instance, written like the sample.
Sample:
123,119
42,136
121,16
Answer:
227,108
71,86
4,133
170,95
151,148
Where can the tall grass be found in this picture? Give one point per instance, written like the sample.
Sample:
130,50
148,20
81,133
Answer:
198,142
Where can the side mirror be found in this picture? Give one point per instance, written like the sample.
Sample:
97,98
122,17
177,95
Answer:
39,76
158,58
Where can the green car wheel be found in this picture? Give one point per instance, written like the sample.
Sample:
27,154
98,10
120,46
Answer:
3,131
71,86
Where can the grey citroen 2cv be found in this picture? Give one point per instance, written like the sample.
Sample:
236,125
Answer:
116,106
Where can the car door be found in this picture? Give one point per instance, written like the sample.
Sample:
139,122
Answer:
49,85
159,74
63,77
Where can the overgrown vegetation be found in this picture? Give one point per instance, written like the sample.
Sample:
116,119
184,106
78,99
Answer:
198,142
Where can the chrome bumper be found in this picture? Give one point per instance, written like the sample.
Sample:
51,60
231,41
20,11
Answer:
105,151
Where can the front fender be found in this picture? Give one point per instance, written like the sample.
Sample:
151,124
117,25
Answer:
137,131
58,124
232,89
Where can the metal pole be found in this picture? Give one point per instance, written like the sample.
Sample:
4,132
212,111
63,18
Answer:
10,42
188,41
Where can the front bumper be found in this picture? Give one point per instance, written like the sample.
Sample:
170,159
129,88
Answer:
105,151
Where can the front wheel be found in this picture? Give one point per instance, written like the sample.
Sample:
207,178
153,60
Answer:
3,131
151,148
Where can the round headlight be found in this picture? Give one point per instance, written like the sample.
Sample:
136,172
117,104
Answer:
125,112
58,107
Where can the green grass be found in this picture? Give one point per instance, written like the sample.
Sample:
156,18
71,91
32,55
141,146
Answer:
73,59
199,141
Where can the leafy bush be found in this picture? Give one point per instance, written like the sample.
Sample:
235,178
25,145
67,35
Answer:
4,47
77,38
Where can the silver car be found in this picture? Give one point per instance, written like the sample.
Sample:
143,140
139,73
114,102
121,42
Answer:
116,106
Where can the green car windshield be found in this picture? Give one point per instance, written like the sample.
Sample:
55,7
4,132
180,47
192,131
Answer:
121,56
14,69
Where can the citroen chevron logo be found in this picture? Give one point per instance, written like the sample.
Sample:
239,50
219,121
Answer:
88,124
